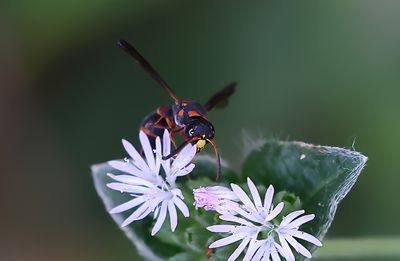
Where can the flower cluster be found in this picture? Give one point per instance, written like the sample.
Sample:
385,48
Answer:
256,223
151,192
253,223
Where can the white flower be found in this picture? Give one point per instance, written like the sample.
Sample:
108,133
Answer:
152,192
288,230
253,223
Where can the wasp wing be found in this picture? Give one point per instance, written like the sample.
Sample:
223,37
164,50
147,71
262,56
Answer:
127,47
220,99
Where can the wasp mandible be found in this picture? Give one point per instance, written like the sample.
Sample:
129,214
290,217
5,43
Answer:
187,118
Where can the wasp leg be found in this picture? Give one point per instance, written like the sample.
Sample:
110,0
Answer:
148,132
172,138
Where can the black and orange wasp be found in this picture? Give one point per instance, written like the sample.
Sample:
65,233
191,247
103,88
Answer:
186,118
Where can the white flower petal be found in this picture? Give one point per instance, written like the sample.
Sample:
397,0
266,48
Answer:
279,249
148,151
184,157
291,241
131,180
239,249
128,205
160,219
254,194
254,245
229,217
166,143
173,217
245,214
297,246
268,197
287,219
242,196
122,187
135,155
129,168
182,206
145,213
166,151
185,170
305,236
275,212
300,221
286,248
221,228
142,209
274,253
264,250
158,156
227,240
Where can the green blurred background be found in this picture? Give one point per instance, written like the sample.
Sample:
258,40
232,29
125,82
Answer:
324,72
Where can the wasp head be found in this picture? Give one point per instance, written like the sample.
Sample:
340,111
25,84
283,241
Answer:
200,130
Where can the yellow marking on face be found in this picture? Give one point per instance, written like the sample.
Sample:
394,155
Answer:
200,144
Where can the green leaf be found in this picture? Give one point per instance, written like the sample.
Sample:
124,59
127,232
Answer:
320,176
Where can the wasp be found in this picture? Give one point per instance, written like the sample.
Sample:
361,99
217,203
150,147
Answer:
186,118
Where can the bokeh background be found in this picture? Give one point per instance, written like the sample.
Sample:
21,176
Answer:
324,72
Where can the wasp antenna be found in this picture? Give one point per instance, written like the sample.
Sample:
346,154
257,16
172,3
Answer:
177,150
127,47
218,158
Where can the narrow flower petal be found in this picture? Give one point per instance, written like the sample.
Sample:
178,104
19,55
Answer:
122,187
173,217
274,254
221,228
227,240
287,219
144,213
300,221
264,250
166,151
182,206
245,214
228,217
128,205
305,236
158,156
242,196
268,197
254,245
148,151
185,170
275,212
136,214
254,194
297,246
239,249
160,219
184,157
135,155
131,180
286,248
126,167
